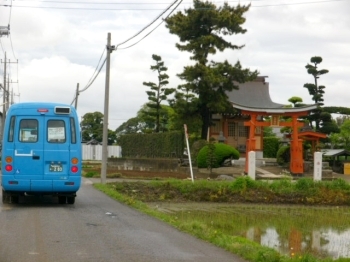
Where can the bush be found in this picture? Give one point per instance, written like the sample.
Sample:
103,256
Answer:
283,155
221,151
91,174
270,146
196,147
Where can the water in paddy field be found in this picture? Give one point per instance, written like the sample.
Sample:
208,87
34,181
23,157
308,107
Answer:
291,230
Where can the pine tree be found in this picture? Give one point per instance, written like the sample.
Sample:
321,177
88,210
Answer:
158,91
201,29
315,90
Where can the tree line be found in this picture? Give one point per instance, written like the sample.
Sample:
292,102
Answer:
202,31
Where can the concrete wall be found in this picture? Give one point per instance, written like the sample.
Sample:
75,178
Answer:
149,165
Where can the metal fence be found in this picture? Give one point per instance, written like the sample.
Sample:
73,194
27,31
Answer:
94,152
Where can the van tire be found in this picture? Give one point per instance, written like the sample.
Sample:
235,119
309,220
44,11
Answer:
62,199
4,197
14,199
71,200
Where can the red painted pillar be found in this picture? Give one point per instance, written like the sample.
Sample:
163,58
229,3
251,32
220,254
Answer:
296,150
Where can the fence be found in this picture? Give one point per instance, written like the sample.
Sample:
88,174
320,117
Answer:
94,152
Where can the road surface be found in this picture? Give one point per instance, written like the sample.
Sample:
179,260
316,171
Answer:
95,228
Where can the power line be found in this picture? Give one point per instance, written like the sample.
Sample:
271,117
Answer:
143,29
154,28
2,46
149,3
89,82
151,9
13,52
92,79
10,13
10,33
104,61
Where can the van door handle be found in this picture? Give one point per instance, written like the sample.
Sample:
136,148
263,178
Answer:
30,154
36,157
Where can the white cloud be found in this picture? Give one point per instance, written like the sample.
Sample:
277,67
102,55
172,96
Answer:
58,48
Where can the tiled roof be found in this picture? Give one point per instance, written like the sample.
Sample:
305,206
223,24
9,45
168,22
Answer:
253,94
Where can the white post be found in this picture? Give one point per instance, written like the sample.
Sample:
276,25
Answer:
188,152
318,166
251,165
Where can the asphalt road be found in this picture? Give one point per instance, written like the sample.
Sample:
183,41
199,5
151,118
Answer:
95,228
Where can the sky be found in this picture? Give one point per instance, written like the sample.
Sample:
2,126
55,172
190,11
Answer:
59,44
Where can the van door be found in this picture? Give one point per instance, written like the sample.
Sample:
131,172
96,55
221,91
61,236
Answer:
56,148
28,148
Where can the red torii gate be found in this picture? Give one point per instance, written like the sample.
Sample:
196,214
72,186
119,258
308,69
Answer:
296,147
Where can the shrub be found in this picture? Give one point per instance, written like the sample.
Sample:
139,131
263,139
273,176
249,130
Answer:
270,146
196,147
305,184
283,155
243,183
91,174
221,151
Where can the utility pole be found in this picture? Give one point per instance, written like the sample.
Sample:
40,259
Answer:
6,89
3,100
105,117
6,92
76,97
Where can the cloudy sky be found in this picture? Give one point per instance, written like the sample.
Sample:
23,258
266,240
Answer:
59,44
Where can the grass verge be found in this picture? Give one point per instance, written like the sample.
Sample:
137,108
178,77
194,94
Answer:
246,249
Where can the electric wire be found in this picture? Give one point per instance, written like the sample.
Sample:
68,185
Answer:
89,82
149,9
10,33
153,29
13,52
92,79
10,13
166,10
2,47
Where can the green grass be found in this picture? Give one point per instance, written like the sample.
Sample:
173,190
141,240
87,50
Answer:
216,232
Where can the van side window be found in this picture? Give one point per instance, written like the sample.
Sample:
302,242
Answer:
56,131
73,131
28,130
11,129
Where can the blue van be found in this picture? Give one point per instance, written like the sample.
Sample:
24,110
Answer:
41,152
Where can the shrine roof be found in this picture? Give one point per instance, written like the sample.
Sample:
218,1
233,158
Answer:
335,152
254,96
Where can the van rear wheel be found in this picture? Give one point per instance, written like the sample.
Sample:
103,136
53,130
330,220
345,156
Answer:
70,200
62,199
15,199
4,197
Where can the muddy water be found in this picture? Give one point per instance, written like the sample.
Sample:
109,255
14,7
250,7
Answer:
291,230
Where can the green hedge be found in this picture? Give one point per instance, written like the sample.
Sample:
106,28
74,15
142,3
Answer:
221,153
157,145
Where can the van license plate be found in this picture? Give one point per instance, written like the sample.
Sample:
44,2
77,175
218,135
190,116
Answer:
56,168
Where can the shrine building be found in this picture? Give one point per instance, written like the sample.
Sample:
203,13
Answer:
244,130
